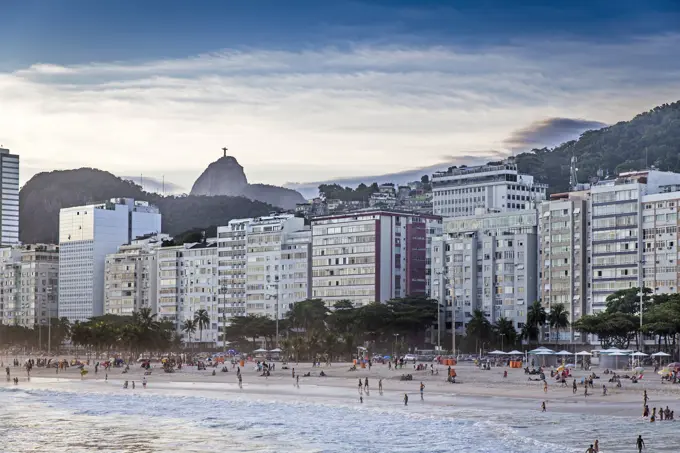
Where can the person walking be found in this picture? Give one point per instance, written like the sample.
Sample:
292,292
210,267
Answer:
640,444
405,399
422,389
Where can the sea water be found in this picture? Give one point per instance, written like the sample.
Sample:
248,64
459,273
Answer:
84,419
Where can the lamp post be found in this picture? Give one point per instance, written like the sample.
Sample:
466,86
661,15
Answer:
396,338
224,319
503,342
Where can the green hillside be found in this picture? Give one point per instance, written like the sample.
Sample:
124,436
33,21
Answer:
650,139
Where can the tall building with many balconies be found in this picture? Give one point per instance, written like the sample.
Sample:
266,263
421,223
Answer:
9,208
371,255
29,285
495,187
564,239
487,262
86,235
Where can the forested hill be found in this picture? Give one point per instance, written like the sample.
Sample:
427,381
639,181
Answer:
46,193
650,139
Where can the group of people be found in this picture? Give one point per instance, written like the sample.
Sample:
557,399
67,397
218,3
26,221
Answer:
125,384
661,414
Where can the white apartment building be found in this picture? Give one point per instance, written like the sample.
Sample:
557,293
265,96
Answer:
497,187
231,270
86,235
660,269
9,210
187,282
28,285
617,219
371,255
278,263
564,234
487,262
131,277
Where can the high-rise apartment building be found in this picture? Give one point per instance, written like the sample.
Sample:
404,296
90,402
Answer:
278,263
28,285
231,269
487,262
617,222
371,255
564,233
660,269
9,210
495,187
86,235
131,276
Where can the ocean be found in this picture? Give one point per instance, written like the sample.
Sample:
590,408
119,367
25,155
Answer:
78,417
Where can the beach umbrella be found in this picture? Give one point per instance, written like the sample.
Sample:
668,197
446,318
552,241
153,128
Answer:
260,350
497,353
639,369
544,352
569,365
584,353
660,354
515,352
563,353
276,350
638,354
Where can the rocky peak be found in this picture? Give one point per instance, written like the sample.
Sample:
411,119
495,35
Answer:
225,176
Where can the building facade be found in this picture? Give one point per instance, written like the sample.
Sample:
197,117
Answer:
29,285
487,262
564,233
9,210
86,235
498,187
371,255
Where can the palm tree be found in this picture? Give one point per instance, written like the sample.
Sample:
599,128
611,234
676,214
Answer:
506,331
479,327
202,320
189,327
558,318
536,318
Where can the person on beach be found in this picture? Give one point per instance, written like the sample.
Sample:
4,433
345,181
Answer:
361,388
125,384
645,412
240,382
144,382
297,381
652,419
133,385
661,413
597,446
640,444
361,399
574,387
366,385
604,390
545,386
590,449
405,399
543,406
644,397
422,389
293,373
380,389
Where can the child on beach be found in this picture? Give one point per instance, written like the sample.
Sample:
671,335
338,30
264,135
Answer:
543,406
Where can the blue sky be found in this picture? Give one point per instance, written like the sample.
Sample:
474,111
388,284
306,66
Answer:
313,90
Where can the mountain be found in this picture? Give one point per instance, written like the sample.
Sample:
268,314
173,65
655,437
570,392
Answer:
45,193
225,176
651,139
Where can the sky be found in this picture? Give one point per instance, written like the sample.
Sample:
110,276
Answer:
306,91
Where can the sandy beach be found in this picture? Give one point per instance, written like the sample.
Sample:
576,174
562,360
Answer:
474,387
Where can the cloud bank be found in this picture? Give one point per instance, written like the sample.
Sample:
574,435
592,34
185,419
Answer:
329,113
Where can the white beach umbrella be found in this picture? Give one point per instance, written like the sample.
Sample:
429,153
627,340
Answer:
548,352
584,353
563,353
660,354
515,352
276,350
497,353
638,354
260,350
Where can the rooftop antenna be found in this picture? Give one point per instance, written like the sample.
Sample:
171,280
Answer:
573,175
224,150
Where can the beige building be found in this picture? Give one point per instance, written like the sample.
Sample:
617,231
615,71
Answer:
130,278
29,284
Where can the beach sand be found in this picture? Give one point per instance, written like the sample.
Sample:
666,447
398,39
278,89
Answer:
475,388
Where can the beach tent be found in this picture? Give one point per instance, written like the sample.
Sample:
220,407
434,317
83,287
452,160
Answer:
497,353
638,354
660,354
616,355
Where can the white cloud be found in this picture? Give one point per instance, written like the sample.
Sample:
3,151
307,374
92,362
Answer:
313,115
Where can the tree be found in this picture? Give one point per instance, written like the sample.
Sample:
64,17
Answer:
558,318
202,320
479,327
189,327
536,318
505,330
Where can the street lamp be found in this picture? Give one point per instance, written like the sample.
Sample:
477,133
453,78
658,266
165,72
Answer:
502,342
396,338
224,319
